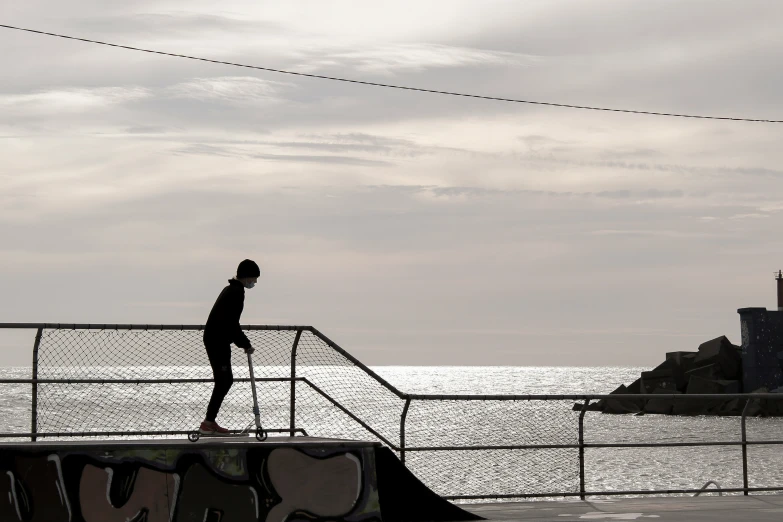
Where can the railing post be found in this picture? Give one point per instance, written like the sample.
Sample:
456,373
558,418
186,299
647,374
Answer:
34,408
402,429
582,449
292,419
745,448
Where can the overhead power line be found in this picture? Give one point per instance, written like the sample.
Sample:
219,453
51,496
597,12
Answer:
386,85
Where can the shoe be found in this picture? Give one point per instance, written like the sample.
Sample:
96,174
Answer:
212,428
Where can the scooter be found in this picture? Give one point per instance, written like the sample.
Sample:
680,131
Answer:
261,435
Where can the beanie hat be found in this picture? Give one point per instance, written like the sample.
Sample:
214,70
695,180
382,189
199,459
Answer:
248,268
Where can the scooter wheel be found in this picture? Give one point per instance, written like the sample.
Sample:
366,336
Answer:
261,435
193,436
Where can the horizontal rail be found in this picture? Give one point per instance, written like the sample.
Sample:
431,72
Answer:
582,397
493,448
693,397
95,326
597,445
462,448
137,381
128,433
608,493
681,444
641,396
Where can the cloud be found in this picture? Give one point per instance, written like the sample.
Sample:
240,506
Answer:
353,141
772,208
147,129
202,148
178,23
674,234
640,194
172,304
400,58
361,142
690,169
362,137
324,160
234,90
753,215
222,151
331,146
635,152
71,99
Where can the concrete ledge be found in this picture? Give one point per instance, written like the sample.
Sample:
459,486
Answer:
183,442
159,480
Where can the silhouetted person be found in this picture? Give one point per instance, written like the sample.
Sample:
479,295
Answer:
221,330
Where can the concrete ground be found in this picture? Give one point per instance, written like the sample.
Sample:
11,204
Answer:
759,508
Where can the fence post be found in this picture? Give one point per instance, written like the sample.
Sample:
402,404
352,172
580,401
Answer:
582,449
292,419
34,410
745,448
402,429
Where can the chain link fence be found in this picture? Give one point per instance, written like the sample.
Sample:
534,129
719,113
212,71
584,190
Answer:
155,381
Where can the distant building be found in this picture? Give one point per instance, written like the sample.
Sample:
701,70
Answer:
762,345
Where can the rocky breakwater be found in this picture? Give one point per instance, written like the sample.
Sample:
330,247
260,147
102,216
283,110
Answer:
715,368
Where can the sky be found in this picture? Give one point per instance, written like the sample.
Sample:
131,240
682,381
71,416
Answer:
410,228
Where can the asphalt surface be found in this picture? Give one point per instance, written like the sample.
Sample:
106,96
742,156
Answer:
761,508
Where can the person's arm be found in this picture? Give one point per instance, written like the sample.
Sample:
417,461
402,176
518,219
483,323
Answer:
239,337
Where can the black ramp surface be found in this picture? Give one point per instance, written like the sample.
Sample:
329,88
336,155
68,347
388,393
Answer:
404,498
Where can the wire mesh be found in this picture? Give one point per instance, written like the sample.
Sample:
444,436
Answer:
348,384
493,423
73,354
160,354
335,396
458,446
662,468
764,468
487,473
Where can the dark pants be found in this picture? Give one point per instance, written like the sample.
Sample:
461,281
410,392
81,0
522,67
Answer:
220,359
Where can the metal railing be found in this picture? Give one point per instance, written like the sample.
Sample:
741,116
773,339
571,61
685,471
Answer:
407,401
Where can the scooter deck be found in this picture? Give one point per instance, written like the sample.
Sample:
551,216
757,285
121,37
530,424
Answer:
224,435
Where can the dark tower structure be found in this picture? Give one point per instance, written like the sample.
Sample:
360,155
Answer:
762,344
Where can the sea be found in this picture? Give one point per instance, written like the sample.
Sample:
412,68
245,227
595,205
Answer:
486,472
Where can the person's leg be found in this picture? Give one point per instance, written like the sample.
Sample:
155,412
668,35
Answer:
220,360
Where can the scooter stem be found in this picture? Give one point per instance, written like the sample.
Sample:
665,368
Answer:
256,411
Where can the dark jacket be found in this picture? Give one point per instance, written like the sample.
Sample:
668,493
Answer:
223,323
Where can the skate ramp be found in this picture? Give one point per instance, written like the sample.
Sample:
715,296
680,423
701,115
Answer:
404,498
173,480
